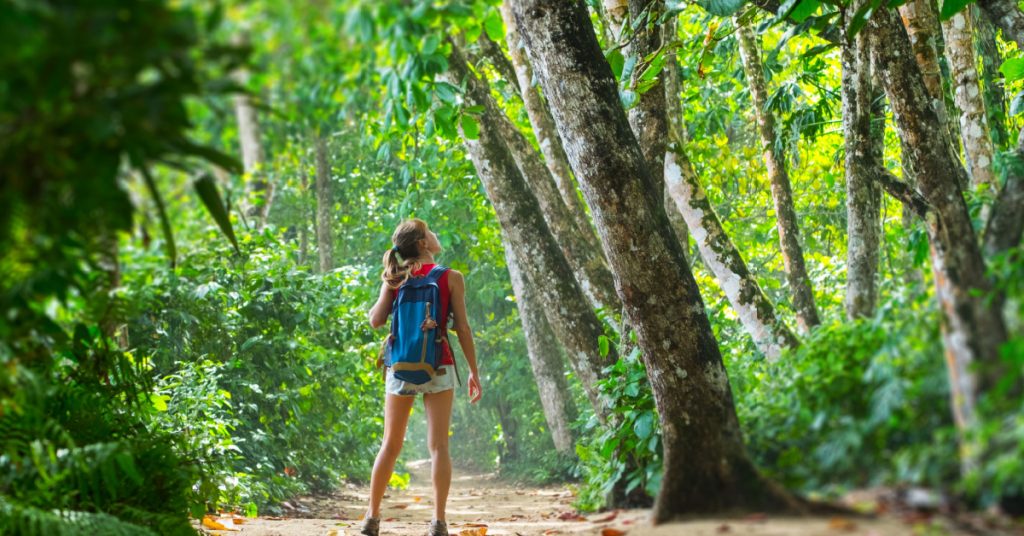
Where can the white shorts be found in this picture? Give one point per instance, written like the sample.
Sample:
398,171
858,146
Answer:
442,381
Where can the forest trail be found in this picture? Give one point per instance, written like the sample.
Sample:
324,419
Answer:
480,505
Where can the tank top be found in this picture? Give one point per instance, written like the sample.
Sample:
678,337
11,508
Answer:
447,358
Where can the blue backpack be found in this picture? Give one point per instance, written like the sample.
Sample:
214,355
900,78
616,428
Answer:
415,343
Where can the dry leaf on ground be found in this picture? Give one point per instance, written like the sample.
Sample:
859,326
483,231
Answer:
612,532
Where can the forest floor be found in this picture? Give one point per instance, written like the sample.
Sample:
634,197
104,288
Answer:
484,505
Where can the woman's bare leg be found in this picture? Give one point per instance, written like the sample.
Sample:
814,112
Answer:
396,417
439,418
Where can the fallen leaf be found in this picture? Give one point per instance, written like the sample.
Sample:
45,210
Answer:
757,518
212,523
841,523
612,532
400,506
474,532
723,528
417,499
608,518
238,520
571,516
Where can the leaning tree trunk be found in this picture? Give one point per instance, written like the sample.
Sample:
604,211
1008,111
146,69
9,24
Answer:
324,204
963,65
253,159
862,193
782,193
755,310
1007,16
519,214
578,248
991,80
706,466
922,24
648,119
304,225
973,327
544,127
545,359
1006,223
676,132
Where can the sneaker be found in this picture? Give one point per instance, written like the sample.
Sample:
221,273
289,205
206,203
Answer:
371,527
438,528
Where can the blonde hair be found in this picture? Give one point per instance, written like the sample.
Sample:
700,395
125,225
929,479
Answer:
405,240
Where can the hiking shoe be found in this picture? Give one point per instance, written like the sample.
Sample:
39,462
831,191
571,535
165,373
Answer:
371,527
438,528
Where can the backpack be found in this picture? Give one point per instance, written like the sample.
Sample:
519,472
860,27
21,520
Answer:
415,351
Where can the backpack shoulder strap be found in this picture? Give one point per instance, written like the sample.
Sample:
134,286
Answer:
435,273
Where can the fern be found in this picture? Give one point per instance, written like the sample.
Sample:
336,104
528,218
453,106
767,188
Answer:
31,521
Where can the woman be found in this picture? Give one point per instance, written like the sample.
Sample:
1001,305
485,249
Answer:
413,256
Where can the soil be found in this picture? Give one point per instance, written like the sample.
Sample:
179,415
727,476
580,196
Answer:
481,505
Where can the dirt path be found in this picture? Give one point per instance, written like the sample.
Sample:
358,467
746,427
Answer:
481,505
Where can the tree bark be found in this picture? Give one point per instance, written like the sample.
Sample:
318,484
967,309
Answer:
973,328
648,118
587,263
676,132
545,359
253,158
544,128
324,205
974,134
1007,16
991,80
519,214
782,193
705,462
497,58
863,200
304,225
1006,223
755,310
922,24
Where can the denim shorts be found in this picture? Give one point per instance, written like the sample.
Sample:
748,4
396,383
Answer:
442,381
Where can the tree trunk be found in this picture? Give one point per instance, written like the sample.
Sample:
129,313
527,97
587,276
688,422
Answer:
991,80
775,162
973,328
519,214
862,193
586,261
755,310
544,128
304,225
545,359
705,462
648,118
253,158
922,24
497,58
615,13
963,65
1007,220
324,206
1007,16
676,132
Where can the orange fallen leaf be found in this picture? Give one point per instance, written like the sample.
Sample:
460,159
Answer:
612,532
238,520
214,524
841,523
417,499
474,532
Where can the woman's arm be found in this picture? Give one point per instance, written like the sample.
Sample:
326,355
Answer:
457,286
380,310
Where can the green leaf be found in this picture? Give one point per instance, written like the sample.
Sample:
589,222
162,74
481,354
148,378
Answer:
446,92
475,109
470,128
603,345
159,401
721,8
615,61
644,426
493,25
952,7
1012,69
1017,104
804,9
210,196
628,98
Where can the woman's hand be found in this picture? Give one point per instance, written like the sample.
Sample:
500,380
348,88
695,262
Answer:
474,388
